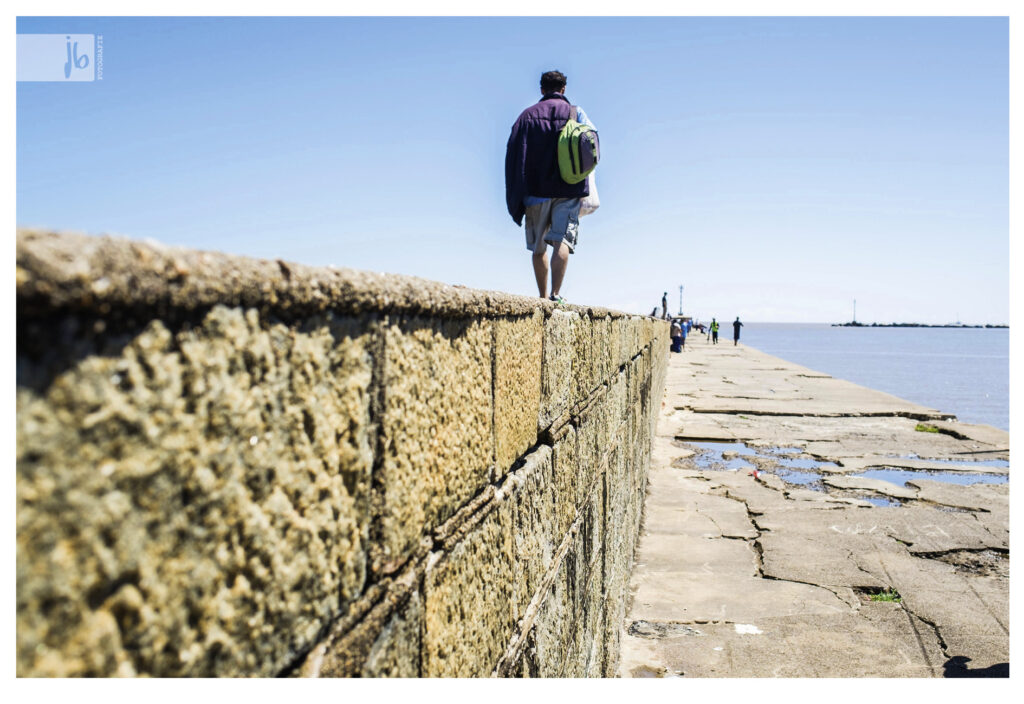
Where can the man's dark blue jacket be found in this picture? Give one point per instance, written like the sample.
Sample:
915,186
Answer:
531,157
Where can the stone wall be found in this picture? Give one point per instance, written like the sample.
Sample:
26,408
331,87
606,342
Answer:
236,467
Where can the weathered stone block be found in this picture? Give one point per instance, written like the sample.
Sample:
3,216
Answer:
530,494
517,382
557,366
396,651
552,627
382,638
636,380
647,331
589,446
601,349
467,619
435,426
627,341
527,665
594,541
589,644
586,634
568,477
615,341
192,502
615,402
592,525
583,366
617,558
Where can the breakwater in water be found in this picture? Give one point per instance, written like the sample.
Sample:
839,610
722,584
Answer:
236,467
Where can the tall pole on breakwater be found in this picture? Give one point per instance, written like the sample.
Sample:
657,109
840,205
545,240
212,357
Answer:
855,310
680,300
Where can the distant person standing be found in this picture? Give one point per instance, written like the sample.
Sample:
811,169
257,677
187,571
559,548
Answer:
714,331
736,331
534,187
664,305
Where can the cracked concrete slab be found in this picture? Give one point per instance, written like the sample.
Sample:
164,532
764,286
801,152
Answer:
969,498
802,570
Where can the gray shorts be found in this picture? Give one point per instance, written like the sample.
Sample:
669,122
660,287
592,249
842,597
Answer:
555,220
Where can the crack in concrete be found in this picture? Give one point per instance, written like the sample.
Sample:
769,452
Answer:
931,624
920,640
936,554
912,617
758,550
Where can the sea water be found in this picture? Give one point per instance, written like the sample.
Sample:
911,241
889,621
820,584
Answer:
962,371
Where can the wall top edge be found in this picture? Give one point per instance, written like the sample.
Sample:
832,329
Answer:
77,272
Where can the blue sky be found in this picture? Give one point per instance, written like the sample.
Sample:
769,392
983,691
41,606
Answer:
778,168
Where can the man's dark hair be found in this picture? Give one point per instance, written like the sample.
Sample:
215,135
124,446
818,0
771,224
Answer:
552,82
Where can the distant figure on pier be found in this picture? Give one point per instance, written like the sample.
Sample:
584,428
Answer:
534,186
654,312
736,331
677,336
714,331
664,305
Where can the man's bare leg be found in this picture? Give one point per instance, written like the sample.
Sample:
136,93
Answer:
540,268
559,263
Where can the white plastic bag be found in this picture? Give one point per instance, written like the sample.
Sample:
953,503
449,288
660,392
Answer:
591,202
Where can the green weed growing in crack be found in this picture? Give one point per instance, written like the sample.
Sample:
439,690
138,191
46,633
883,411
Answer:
925,428
889,594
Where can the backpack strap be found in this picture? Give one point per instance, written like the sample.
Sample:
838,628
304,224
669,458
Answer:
574,112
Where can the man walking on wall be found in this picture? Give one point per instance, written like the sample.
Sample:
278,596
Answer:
534,187
736,331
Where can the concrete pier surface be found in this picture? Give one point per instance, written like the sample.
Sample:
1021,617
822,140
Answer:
798,525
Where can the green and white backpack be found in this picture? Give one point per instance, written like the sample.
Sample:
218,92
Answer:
578,149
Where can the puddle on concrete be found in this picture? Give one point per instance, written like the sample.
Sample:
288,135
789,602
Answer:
807,472
710,456
900,477
791,472
881,501
720,447
808,479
